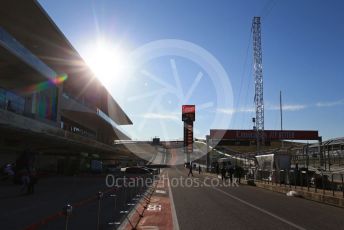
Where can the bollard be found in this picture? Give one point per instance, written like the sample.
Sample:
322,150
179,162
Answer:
130,193
113,195
301,180
67,210
124,193
100,196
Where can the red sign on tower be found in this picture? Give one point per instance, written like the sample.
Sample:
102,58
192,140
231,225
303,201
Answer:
188,112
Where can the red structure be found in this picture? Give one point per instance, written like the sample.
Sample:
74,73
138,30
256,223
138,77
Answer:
188,116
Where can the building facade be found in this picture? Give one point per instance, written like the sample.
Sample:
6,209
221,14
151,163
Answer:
49,98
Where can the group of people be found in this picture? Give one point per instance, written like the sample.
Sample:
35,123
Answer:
191,166
232,171
22,172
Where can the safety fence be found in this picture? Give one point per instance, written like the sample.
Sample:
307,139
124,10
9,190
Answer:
329,160
314,181
106,210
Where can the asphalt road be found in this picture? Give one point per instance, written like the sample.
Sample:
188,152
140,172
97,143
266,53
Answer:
244,207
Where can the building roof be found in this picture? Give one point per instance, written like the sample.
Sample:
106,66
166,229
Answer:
32,27
333,141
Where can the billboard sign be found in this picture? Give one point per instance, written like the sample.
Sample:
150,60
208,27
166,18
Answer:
232,134
188,112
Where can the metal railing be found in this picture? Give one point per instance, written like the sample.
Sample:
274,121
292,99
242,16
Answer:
107,209
302,179
331,160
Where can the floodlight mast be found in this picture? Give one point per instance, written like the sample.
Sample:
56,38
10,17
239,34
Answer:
258,80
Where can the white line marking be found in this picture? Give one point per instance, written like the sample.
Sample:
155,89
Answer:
255,207
260,209
154,207
160,191
173,209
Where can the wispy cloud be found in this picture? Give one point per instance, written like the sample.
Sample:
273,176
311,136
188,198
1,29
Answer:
285,107
330,103
173,117
232,110
288,107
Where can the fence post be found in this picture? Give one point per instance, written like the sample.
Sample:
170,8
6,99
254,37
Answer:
315,183
266,181
323,182
301,180
261,176
341,175
332,184
289,178
295,179
339,158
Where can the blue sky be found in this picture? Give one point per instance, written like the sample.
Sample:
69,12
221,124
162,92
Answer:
302,56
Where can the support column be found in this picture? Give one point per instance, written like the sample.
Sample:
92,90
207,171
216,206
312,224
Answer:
59,104
207,137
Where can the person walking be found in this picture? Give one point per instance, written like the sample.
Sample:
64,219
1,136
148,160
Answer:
190,170
238,172
223,173
25,181
230,173
199,169
217,169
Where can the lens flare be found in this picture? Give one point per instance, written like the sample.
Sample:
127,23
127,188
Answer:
44,85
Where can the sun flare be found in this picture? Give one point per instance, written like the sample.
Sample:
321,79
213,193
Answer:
108,62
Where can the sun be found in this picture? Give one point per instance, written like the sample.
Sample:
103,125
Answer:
109,63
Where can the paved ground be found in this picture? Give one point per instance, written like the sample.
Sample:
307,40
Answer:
157,215
197,205
42,209
244,207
